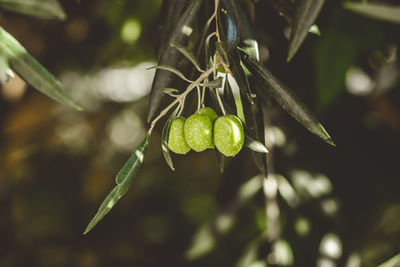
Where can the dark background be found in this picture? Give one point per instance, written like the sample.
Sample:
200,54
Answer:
57,165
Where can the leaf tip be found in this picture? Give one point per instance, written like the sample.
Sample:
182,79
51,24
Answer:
330,141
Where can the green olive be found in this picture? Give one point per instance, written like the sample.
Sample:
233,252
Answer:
198,131
209,112
176,139
228,135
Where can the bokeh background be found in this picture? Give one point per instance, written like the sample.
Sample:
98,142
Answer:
326,206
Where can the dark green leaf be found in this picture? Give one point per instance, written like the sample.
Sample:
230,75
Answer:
376,11
305,15
229,99
168,55
222,52
238,73
189,55
124,180
171,69
285,98
29,69
217,83
37,8
164,139
238,17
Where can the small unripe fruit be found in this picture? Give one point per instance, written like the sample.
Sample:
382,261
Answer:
176,138
208,112
228,135
198,131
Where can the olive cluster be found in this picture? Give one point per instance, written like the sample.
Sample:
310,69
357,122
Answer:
204,130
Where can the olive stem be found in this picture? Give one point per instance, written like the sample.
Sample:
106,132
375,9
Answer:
198,97
181,96
220,101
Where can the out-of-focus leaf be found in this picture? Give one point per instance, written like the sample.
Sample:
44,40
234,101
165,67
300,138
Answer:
284,8
285,98
341,52
376,11
221,160
29,69
337,50
392,262
124,180
5,70
171,69
305,15
217,83
170,56
189,55
164,139
37,8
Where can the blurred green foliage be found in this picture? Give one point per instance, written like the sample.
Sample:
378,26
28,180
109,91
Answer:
335,206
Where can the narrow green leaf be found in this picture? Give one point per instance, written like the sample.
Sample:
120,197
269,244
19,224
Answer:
124,180
392,262
29,69
164,139
189,55
222,52
36,8
217,83
168,55
285,98
171,69
376,11
305,15
251,142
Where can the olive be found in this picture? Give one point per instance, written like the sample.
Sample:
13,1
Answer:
176,138
208,112
228,135
198,131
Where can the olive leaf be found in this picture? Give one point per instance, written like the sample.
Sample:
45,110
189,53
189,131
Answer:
305,15
30,70
37,8
251,142
164,139
189,55
171,69
285,8
123,180
376,11
168,55
285,98
238,17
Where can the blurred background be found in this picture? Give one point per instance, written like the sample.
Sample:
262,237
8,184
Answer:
325,206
